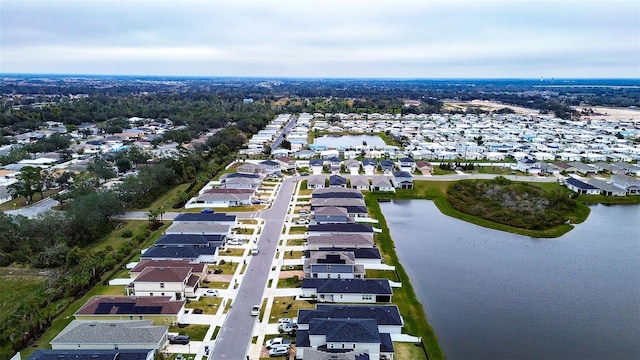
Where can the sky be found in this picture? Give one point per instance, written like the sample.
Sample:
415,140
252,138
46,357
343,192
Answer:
329,38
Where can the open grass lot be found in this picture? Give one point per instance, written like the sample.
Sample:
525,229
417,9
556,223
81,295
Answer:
248,222
232,252
408,351
228,267
287,307
195,332
217,285
296,242
293,254
297,230
292,282
381,274
208,304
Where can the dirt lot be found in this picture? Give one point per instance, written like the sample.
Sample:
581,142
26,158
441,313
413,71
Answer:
289,273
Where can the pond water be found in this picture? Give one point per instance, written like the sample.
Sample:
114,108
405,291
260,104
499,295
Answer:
494,295
349,141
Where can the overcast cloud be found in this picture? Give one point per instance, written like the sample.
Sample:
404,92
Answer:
310,38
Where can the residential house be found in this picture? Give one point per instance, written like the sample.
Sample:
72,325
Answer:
364,255
353,166
221,198
337,181
286,163
606,188
527,166
343,240
177,283
564,167
629,184
402,180
197,268
349,228
584,169
316,182
336,201
159,309
407,164
316,165
88,354
335,164
330,215
424,167
217,217
337,193
369,166
270,166
381,183
194,240
331,329
197,228
581,187
347,290
359,182
188,253
332,265
137,334
387,166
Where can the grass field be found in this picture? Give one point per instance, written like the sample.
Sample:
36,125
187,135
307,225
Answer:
195,332
287,307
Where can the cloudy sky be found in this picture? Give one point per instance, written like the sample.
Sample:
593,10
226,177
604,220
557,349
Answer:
311,38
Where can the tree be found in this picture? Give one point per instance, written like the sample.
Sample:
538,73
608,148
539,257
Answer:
285,144
29,183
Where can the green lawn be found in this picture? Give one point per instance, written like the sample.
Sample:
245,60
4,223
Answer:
292,282
232,252
195,332
287,307
381,274
411,351
293,254
208,304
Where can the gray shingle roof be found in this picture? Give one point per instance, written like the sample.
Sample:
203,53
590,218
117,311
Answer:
111,332
346,330
82,354
383,314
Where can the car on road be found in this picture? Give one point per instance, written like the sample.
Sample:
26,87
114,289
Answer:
255,250
255,310
212,292
279,351
206,211
179,339
278,342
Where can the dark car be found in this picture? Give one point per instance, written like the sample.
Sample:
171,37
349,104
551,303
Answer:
179,339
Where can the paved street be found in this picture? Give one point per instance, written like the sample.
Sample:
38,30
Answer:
235,336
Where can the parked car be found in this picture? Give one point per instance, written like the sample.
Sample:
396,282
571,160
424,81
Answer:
255,310
278,342
289,327
206,211
179,339
234,242
279,351
302,221
212,292
283,321
255,250
179,357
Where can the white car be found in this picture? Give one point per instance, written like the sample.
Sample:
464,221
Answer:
255,310
212,292
278,342
234,242
283,321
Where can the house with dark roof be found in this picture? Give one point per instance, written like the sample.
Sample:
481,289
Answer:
198,228
343,240
337,193
369,166
174,282
337,181
581,187
74,354
218,217
270,166
362,255
188,253
316,165
159,309
335,164
356,329
402,180
406,164
606,188
332,265
387,165
136,334
336,201
197,240
347,290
